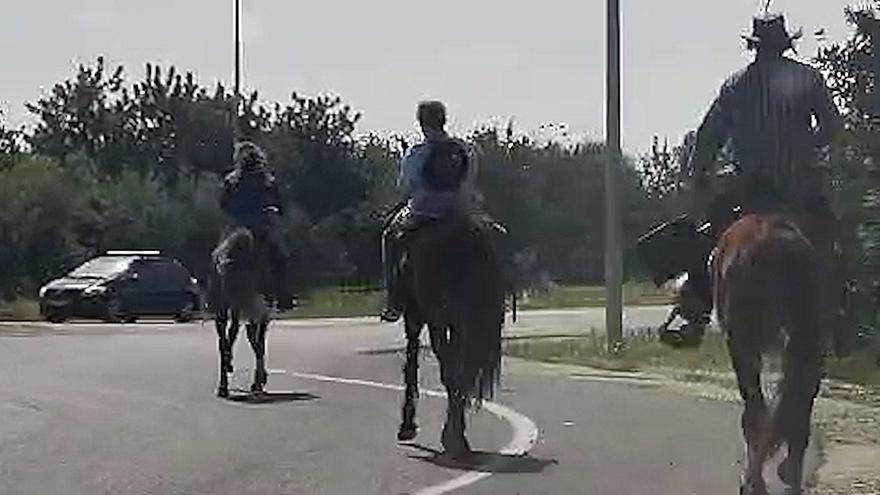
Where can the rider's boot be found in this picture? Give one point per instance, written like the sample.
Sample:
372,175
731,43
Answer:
391,260
694,305
285,298
393,309
281,285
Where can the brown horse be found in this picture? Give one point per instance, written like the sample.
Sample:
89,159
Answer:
238,292
767,278
453,283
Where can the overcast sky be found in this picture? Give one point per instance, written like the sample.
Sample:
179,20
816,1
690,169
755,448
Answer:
537,62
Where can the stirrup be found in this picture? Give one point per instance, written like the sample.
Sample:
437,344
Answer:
285,303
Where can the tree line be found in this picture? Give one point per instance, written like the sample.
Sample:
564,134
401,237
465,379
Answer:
116,163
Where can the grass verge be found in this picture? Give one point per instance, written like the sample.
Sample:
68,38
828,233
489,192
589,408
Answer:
19,309
337,303
646,354
356,301
586,296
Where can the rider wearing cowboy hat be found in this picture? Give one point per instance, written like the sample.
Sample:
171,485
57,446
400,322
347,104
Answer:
777,118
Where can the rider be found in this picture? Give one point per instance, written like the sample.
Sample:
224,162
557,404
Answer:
250,195
778,118
424,201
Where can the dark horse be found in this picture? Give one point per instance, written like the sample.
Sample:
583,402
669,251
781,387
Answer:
767,277
238,293
453,283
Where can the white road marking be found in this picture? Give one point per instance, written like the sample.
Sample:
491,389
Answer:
525,432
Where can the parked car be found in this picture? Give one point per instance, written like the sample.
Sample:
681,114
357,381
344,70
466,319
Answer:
123,286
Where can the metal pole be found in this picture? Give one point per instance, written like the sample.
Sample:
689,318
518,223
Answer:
237,47
236,97
613,250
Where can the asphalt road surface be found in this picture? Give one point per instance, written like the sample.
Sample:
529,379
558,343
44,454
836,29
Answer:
89,408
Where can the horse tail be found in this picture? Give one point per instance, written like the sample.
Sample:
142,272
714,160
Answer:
233,253
234,248
485,290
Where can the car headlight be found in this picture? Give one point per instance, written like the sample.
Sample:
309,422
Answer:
95,290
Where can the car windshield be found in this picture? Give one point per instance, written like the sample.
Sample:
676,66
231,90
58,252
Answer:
101,267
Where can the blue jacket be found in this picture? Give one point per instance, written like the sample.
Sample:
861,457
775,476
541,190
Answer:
425,201
246,196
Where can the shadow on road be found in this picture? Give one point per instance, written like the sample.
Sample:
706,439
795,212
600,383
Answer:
491,462
246,397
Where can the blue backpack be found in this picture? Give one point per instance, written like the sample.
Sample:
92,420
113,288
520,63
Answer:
446,166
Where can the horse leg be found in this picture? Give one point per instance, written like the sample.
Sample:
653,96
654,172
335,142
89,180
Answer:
230,340
802,374
747,365
223,345
408,427
449,354
263,374
254,329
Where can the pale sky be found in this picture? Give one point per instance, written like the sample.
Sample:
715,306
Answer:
536,62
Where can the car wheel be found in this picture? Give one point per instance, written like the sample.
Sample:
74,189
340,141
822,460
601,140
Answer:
113,310
56,317
187,313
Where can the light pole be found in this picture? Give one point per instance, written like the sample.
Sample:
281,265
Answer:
237,47
613,248
236,97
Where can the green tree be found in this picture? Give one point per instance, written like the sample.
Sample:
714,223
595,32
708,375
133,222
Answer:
38,211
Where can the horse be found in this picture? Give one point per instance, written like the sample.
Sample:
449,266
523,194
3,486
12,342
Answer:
453,284
767,275
239,292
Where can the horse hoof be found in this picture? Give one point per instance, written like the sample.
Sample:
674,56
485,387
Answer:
753,489
672,338
407,432
261,380
458,450
456,447
257,389
223,393
788,473
228,368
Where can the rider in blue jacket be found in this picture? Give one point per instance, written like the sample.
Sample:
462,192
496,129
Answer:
250,198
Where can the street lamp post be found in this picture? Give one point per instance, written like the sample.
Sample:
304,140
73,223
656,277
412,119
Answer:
236,97
613,248
237,47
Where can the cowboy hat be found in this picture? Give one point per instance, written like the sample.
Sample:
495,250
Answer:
770,30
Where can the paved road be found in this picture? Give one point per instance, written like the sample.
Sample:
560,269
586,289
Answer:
129,409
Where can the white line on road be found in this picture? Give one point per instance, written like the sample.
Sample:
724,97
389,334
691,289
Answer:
525,432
